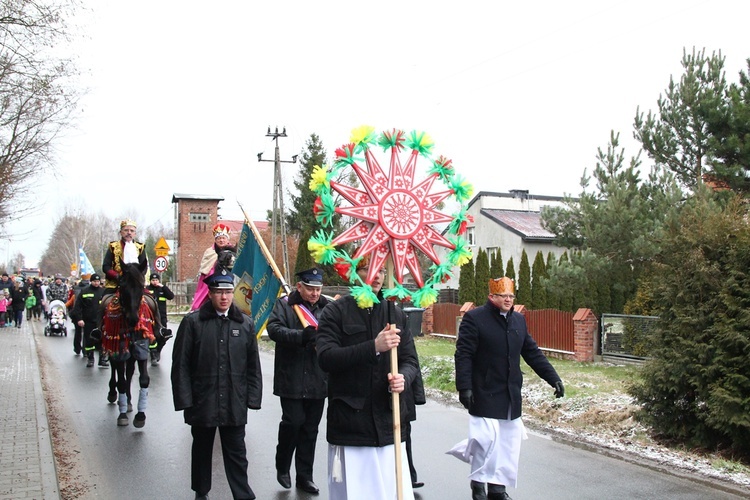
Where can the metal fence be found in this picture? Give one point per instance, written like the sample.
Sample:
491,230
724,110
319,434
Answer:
627,337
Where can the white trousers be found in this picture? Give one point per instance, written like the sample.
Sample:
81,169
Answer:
362,472
492,449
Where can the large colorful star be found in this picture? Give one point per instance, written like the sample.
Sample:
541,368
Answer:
395,215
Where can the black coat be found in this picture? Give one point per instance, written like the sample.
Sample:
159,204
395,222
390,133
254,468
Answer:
359,404
488,360
86,306
18,297
296,373
161,294
216,374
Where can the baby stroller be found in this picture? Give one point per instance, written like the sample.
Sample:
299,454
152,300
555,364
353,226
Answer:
58,314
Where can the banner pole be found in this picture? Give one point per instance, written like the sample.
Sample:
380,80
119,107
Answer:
272,263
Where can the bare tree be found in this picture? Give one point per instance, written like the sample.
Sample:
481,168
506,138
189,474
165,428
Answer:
36,99
77,227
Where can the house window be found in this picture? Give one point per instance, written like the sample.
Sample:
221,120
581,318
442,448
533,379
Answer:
491,251
470,236
194,217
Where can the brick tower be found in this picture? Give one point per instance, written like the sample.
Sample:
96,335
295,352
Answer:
195,216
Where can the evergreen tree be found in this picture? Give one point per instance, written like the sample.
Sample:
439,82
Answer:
523,287
678,137
496,267
538,287
695,387
618,225
481,277
466,288
304,258
301,218
729,139
565,289
510,270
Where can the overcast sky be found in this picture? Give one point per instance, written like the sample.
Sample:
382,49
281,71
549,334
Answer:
518,94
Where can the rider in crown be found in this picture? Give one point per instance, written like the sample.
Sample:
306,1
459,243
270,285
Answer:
123,251
219,255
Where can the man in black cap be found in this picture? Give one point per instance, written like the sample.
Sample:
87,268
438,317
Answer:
298,380
86,314
216,377
161,294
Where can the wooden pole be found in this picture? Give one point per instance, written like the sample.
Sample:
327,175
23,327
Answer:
272,263
395,400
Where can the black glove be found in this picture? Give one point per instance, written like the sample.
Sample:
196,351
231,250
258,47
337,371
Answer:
166,333
467,398
559,389
307,334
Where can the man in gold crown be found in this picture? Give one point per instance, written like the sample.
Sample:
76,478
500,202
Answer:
120,252
491,340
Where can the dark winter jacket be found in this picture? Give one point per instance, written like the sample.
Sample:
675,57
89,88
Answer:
161,294
18,298
296,374
359,404
488,360
86,306
216,374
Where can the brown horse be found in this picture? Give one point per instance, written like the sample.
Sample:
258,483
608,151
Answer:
129,323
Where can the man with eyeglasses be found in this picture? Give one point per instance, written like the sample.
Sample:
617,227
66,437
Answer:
216,377
491,340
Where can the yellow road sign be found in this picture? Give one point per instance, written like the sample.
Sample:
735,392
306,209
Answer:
161,248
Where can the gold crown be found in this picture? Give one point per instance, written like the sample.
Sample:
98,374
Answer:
221,230
127,222
502,285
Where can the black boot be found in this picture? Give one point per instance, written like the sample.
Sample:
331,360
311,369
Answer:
497,492
477,491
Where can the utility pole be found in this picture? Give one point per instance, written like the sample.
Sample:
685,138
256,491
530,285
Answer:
278,200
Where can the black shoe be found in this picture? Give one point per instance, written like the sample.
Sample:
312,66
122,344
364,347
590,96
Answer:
103,363
498,496
308,486
497,492
201,497
417,484
90,363
284,479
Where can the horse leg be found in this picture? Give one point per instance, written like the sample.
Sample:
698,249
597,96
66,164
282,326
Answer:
122,389
129,370
112,394
143,381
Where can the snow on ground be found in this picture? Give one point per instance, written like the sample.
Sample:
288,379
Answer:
606,422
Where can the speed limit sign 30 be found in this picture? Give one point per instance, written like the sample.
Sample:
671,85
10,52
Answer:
160,264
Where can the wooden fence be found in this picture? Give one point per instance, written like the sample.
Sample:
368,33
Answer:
552,329
445,318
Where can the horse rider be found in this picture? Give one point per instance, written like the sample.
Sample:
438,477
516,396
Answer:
220,254
126,250
161,294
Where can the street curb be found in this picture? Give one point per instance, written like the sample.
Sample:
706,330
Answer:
50,487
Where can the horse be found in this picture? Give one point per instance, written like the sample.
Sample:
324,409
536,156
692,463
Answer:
129,323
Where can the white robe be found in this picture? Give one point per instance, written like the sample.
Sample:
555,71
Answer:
493,449
360,472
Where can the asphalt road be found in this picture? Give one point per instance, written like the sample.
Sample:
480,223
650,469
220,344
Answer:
154,462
